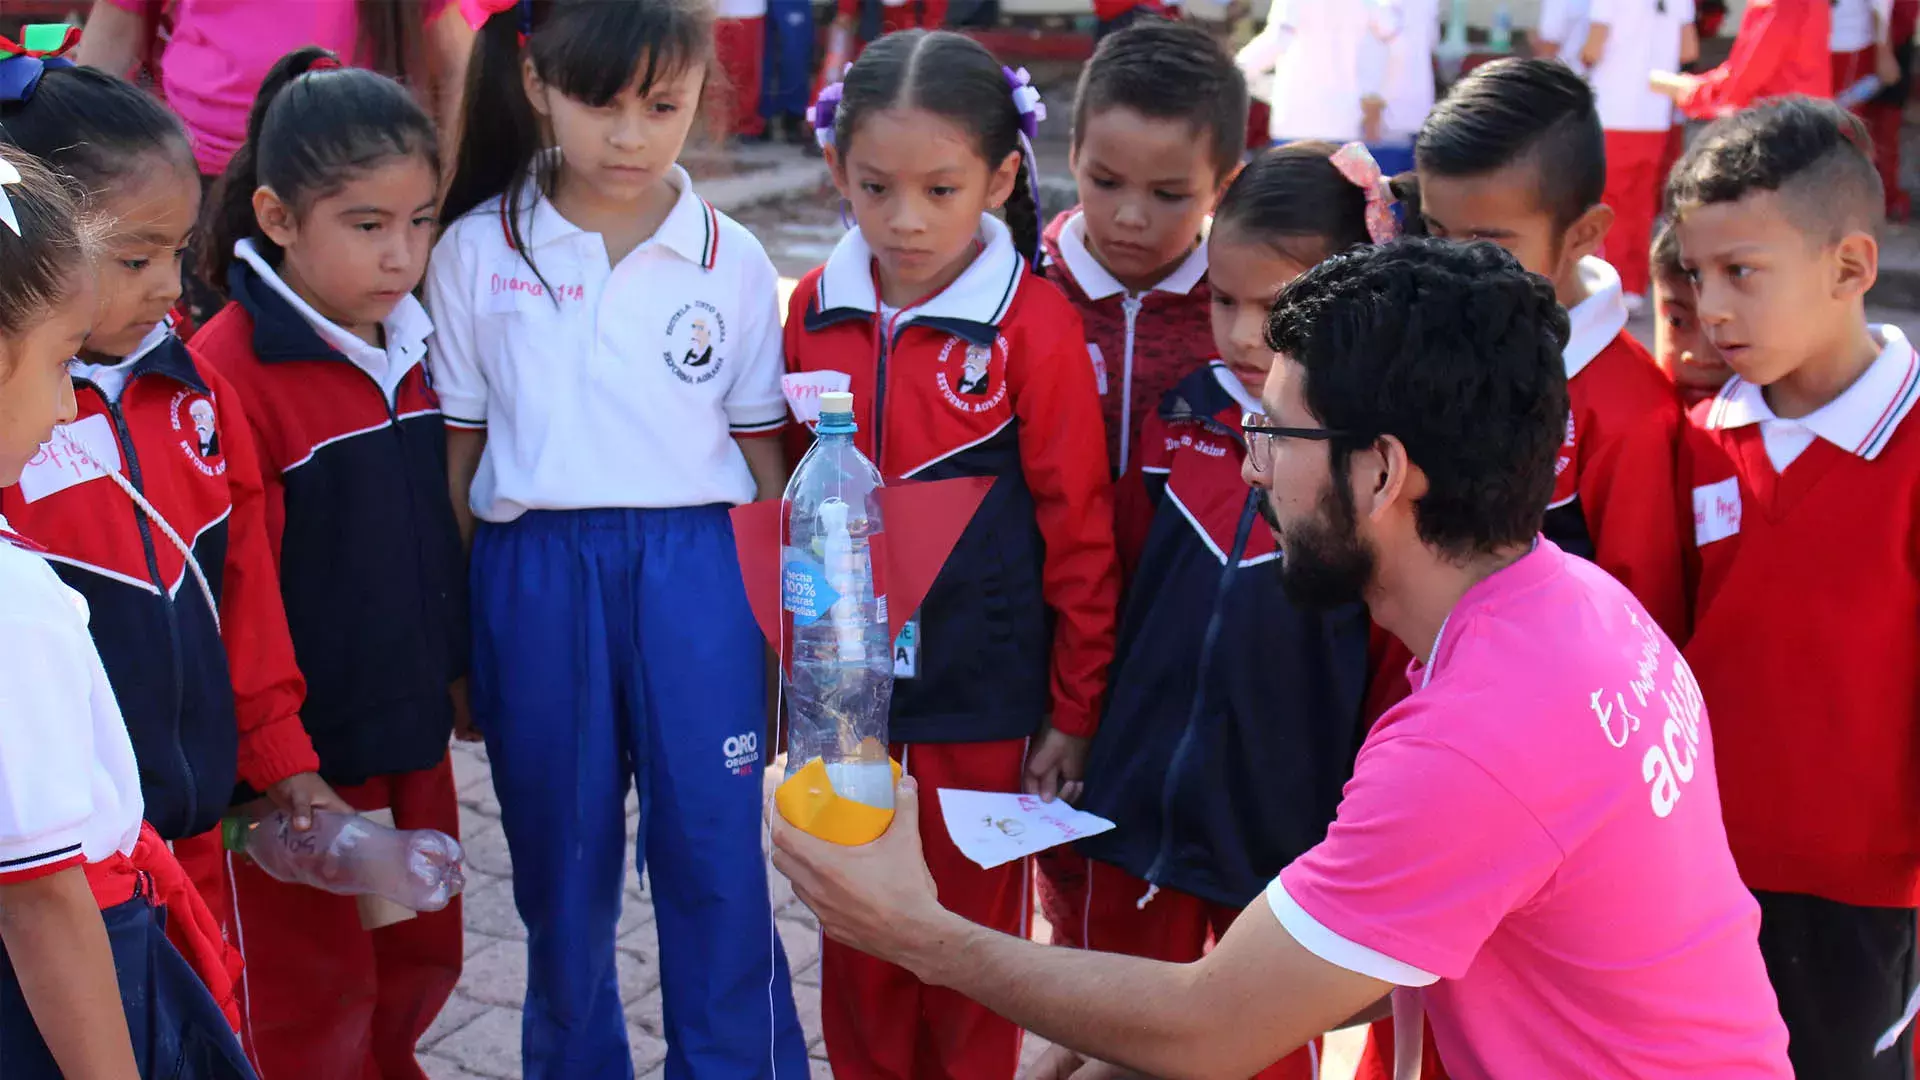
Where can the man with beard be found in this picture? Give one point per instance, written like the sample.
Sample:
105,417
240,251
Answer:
1532,838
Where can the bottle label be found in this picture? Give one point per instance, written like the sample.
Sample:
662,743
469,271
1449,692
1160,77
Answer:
906,651
803,588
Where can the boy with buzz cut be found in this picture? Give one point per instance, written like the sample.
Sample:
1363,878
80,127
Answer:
1804,477
1515,155
1159,120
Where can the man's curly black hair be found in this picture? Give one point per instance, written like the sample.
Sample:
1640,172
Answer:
1454,350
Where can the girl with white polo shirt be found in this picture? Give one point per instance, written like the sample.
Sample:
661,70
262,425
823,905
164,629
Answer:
89,985
608,356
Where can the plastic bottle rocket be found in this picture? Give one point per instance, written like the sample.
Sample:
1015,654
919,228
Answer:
839,681
345,854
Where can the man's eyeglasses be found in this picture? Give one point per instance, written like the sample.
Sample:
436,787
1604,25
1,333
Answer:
1260,436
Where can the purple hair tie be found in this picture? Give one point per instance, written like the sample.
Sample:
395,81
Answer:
1026,101
821,113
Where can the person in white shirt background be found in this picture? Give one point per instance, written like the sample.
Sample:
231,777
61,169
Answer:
1859,43
1626,39
1561,31
86,992
1323,79
1403,39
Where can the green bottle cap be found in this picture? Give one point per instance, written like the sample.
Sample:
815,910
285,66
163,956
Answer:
233,833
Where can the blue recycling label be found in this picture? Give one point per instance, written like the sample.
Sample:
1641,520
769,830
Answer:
803,588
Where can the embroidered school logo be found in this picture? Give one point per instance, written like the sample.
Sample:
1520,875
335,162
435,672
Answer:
199,439
973,378
742,753
696,338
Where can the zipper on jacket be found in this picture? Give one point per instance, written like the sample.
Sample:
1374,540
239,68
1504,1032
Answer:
1184,748
166,598
1130,305
391,405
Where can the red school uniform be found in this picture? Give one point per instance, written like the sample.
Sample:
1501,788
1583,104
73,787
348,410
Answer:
1614,500
370,569
1805,589
209,696
1781,49
1141,344
987,378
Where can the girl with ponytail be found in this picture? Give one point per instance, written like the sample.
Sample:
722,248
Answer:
608,353
962,363
319,231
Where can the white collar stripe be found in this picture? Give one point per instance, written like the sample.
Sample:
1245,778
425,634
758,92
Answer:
1098,284
1902,403
1861,420
982,295
1597,320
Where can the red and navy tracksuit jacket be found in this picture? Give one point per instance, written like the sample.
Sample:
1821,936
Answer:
198,699
988,378
362,530
1233,717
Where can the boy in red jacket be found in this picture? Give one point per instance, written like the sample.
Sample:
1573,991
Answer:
1159,118
1515,155
1804,633
1158,122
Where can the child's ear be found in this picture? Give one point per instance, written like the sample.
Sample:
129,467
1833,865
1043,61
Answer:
837,169
535,87
1000,185
1856,260
276,218
1587,233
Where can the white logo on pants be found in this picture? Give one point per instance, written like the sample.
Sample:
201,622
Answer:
742,751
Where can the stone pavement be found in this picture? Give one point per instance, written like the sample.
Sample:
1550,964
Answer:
478,1034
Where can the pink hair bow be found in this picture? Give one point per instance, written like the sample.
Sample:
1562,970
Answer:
1356,163
477,12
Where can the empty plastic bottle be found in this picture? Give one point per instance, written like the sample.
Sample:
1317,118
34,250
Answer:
832,586
421,869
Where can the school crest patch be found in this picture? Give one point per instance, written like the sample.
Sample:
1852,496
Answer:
973,378
696,342
199,438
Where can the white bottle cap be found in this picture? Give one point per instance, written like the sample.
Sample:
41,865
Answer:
836,403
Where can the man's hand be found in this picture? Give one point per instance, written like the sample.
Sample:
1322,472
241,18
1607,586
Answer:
464,729
303,793
1060,1063
1056,767
879,897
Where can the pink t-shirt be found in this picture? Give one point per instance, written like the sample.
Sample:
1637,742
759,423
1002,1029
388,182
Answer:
1534,836
220,52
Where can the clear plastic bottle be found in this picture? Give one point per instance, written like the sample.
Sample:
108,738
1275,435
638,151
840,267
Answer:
833,588
346,854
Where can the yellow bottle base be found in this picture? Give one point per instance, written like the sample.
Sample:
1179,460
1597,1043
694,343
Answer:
809,803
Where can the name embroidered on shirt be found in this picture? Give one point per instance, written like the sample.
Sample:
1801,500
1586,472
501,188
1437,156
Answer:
1716,511
803,390
78,452
507,284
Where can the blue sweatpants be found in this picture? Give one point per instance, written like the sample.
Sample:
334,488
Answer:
615,648
786,68
178,1032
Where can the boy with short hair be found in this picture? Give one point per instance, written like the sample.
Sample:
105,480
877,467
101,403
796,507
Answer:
1680,343
1159,120
1804,475
1515,155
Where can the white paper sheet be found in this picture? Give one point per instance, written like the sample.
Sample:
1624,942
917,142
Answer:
994,827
